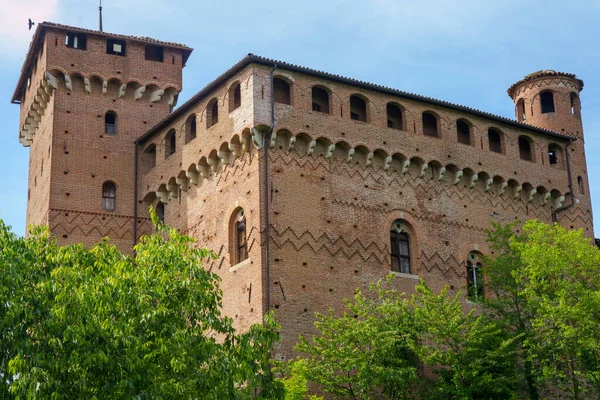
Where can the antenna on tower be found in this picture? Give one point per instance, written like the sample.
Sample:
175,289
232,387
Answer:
100,13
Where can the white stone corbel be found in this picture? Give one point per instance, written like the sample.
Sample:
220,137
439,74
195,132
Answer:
502,187
518,191
405,166
224,156
51,80
245,143
311,148
139,92
369,159
212,163
545,198
292,143
68,83
424,168
87,85
236,149
156,95
350,155
172,100
387,162
182,183
32,122
204,170
459,175
560,201
163,197
35,115
473,181
256,137
192,176
122,90
531,195
273,138
488,185
330,151
442,173
104,87
173,191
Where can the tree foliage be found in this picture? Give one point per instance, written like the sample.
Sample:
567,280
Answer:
94,323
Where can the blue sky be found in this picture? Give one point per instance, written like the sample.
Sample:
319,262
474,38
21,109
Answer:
464,51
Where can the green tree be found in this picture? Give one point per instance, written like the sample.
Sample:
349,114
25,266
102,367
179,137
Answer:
79,323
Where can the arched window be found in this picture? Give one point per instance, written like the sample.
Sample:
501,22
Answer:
394,117
358,109
235,96
554,154
160,212
190,128
110,123
170,143
525,149
575,104
547,102
109,196
463,132
400,247
281,91
495,140
240,243
474,278
521,110
580,185
149,158
212,113
320,100
430,124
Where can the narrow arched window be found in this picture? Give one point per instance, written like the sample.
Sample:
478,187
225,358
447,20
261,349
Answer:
212,113
463,132
110,123
241,243
521,110
149,158
190,128
400,248
525,149
160,212
235,96
394,117
554,154
474,278
430,125
320,100
495,140
281,91
170,143
547,102
575,105
109,196
580,185
358,109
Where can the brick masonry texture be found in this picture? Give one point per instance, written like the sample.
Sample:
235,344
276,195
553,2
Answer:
334,188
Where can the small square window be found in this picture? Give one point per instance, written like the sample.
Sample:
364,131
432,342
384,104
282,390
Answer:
76,40
116,47
154,53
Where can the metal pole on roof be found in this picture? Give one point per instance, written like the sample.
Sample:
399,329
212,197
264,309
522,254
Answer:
100,12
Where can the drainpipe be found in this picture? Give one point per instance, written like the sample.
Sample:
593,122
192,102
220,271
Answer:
266,143
572,196
135,193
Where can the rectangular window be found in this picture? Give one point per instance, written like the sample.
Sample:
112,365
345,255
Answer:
154,53
116,47
76,40
400,252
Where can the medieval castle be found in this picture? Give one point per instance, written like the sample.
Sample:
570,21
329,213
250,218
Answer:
306,184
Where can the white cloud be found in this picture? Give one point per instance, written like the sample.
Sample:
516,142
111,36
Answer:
14,36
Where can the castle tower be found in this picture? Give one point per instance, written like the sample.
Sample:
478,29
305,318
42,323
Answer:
85,96
550,100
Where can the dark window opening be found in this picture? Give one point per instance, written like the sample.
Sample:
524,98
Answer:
160,212
580,185
212,113
76,40
190,128
547,102
525,149
430,125
474,281
170,143
320,100
394,117
149,158
154,53
463,132
495,141
241,243
110,123
109,196
282,92
236,96
400,243
552,156
574,103
358,109
116,47
521,110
